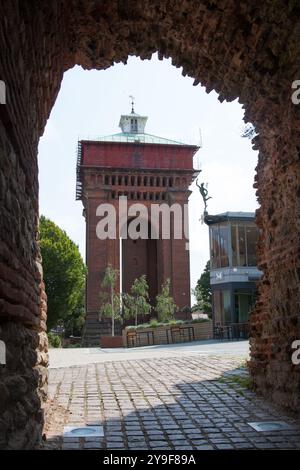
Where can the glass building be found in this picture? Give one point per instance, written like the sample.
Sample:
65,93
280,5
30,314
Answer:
233,272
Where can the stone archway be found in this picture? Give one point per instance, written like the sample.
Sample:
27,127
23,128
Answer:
240,49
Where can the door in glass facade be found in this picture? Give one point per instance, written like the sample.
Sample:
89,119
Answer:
243,304
222,306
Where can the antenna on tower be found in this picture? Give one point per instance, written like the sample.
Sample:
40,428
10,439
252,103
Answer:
200,138
132,103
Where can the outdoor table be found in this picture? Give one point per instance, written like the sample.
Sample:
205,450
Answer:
181,330
222,332
148,335
190,330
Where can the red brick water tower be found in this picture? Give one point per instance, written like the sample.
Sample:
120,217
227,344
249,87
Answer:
148,170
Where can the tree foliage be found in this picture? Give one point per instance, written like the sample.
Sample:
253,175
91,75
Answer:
64,271
110,300
137,302
54,341
73,323
202,292
165,305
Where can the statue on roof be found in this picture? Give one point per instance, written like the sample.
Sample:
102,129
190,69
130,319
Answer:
204,194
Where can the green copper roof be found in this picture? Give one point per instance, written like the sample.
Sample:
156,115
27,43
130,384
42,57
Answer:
138,138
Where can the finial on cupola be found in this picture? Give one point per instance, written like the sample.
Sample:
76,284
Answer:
132,103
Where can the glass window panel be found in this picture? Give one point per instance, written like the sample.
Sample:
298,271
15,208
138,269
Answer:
252,237
223,243
234,245
215,248
243,302
242,245
212,262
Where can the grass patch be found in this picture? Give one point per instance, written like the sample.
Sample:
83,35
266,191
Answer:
237,381
245,382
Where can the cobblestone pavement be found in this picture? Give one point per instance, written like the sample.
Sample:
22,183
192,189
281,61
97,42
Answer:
167,403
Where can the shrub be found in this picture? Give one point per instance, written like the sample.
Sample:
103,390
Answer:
137,302
165,305
54,340
199,320
141,326
175,322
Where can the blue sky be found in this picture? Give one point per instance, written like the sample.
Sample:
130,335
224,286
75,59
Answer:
90,103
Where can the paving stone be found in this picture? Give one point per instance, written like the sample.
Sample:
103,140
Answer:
71,445
224,446
158,443
199,441
204,447
115,438
134,433
194,435
93,445
221,440
243,445
116,445
184,447
238,439
264,445
178,442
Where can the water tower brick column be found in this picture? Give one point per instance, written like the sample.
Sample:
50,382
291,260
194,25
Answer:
180,259
96,256
165,256
180,273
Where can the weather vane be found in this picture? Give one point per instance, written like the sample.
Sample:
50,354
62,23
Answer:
204,194
132,103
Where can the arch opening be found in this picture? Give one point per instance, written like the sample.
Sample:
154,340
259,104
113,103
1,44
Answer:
232,50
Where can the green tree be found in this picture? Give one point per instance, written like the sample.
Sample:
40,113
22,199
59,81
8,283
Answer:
54,340
165,305
137,302
202,292
64,271
110,300
73,323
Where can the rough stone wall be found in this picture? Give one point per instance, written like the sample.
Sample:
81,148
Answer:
275,322
23,380
241,49
23,386
23,67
